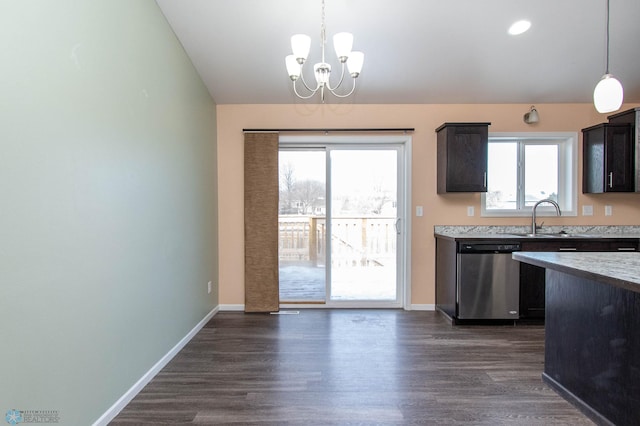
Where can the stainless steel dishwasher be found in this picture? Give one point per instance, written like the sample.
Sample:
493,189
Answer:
488,280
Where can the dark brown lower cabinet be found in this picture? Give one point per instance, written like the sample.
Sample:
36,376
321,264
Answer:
532,278
532,292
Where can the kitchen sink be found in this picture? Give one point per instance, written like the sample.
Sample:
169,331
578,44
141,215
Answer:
552,235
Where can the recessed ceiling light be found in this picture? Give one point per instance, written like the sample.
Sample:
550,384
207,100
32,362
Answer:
519,27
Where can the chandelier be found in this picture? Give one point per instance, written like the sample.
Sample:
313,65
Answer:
342,42
608,94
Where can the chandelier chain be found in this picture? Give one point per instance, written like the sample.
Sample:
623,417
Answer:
323,32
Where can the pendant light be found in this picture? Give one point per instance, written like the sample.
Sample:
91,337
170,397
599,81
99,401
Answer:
608,94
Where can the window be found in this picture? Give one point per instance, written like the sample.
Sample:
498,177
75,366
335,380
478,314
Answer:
526,168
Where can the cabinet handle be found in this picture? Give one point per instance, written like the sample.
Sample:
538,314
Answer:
484,179
626,249
567,249
610,179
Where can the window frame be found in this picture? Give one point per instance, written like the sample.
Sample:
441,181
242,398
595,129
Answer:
567,143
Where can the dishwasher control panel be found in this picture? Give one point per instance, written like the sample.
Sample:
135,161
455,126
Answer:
487,247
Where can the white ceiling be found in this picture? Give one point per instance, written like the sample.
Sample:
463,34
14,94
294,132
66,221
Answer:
416,51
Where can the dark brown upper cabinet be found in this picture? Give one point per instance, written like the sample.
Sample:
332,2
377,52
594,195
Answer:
463,150
608,158
632,117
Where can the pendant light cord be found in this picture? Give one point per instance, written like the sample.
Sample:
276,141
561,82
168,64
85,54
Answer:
607,40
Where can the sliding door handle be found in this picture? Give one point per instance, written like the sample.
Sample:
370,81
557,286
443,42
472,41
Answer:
398,225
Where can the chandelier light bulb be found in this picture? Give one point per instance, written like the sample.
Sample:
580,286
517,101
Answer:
355,63
293,67
608,94
343,42
300,46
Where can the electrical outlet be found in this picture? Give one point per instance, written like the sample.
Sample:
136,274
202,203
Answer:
608,210
209,287
470,211
587,210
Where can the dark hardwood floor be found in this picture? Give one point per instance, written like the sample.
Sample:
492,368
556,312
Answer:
353,367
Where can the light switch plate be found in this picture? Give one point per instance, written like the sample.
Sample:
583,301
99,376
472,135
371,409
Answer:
587,210
608,210
470,211
419,211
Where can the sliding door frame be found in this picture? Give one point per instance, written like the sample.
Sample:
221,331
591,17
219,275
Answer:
402,143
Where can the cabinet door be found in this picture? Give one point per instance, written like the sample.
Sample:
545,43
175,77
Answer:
619,161
532,280
593,170
608,157
462,158
446,276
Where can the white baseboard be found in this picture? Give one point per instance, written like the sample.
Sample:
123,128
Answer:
113,411
425,307
231,307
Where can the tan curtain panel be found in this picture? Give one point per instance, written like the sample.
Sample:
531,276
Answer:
261,290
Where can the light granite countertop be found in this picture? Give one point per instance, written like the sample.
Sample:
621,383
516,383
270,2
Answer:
497,232
617,269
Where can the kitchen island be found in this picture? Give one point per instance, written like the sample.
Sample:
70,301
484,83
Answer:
592,331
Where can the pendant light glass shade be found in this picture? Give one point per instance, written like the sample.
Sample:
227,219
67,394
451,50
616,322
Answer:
608,94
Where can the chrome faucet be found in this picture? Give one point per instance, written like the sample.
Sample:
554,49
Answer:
533,214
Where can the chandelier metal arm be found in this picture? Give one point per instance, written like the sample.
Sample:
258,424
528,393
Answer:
295,90
339,82
348,94
305,83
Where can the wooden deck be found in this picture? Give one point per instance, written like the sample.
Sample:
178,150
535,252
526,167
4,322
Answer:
363,257
302,282
365,367
305,282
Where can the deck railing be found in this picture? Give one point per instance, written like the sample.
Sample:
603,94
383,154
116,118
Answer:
356,241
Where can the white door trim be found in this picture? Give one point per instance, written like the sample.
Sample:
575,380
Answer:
404,208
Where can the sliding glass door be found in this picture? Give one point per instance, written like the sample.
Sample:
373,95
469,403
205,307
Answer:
302,224
341,222
364,198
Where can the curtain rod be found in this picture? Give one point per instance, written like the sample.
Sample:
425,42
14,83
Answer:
401,129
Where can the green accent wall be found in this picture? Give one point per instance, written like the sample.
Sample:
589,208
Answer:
108,214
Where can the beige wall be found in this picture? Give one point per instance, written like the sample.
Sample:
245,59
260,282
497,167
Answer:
450,209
